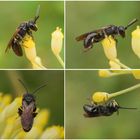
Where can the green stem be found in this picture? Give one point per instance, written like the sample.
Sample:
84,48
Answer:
112,95
120,73
121,64
60,60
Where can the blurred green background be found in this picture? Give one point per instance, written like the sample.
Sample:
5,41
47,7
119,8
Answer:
14,13
80,85
87,16
50,97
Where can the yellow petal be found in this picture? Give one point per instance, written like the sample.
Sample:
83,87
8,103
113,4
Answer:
104,73
114,65
100,97
54,132
136,41
34,133
109,46
42,118
57,41
136,74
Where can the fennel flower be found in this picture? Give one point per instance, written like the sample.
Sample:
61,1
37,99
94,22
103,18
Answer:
136,41
109,46
57,43
114,65
11,125
136,73
30,52
103,97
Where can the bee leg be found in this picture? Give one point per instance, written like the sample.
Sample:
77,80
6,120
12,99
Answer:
20,111
115,39
34,109
30,34
34,114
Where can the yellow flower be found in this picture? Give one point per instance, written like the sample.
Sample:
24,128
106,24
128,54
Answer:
104,73
54,132
109,46
100,97
57,43
136,74
103,97
10,123
114,65
136,41
30,52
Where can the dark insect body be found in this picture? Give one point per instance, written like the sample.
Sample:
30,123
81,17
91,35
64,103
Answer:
23,29
102,110
98,35
27,111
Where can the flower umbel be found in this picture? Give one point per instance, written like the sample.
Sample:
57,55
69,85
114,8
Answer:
11,125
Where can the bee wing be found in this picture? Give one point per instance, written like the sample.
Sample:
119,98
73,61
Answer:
10,42
16,48
83,36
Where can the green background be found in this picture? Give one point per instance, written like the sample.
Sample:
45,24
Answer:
50,97
87,16
80,85
14,13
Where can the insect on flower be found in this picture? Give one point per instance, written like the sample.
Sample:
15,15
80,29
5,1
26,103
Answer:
102,110
27,111
98,35
24,28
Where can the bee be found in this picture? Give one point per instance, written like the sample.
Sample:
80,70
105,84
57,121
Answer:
24,28
27,111
103,110
98,35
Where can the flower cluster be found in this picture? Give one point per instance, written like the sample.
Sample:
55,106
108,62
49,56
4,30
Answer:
11,125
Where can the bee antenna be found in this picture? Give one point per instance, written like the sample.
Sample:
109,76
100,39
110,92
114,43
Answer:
37,14
127,107
130,23
39,88
23,85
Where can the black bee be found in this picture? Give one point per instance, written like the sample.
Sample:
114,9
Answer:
27,111
102,110
23,29
98,35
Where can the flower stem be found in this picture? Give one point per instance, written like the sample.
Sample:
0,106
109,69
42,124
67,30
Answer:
120,73
112,95
121,64
60,60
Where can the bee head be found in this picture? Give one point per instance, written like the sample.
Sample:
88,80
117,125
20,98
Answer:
31,25
28,98
121,30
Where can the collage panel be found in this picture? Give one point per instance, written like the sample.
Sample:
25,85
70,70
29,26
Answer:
100,34
102,104
32,104
32,34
